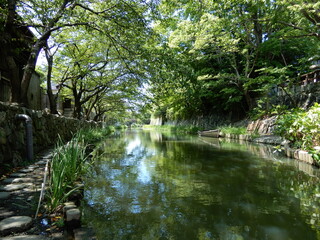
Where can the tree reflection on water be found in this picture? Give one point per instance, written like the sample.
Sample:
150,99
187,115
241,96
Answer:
146,185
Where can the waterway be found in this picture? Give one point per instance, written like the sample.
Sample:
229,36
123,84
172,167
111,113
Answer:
148,185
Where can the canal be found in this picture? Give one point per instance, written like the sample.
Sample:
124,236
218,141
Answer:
147,185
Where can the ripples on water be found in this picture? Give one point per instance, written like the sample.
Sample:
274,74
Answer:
149,186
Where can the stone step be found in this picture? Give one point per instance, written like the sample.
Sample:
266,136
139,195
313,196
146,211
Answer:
15,175
15,224
14,187
5,213
25,237
26,170
17,180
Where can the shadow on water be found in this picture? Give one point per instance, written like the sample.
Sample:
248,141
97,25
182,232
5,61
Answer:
146,185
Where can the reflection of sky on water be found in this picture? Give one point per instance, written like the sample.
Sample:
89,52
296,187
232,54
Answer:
125,179
133,145
144,172
137,154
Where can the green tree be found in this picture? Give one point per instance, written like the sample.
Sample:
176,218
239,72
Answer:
234,51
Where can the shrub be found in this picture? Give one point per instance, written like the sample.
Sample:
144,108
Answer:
301,127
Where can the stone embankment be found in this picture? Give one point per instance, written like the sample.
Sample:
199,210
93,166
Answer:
265,128
46,131
19,197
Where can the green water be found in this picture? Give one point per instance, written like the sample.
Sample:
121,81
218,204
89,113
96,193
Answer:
146,185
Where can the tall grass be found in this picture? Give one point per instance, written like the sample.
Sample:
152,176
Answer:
69,163
66,167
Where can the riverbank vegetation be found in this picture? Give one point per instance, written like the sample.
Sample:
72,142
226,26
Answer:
301,127
180,129
70,163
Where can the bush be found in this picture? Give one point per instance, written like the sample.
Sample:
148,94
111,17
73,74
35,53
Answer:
301,127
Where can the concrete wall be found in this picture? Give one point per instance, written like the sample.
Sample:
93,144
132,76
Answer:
46,129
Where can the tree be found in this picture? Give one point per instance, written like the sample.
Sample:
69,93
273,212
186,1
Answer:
308,15
47,17
99,68
227,46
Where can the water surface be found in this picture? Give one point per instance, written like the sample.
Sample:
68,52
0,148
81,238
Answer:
146,185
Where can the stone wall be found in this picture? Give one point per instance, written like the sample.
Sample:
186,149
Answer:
46,129
303,96
262,126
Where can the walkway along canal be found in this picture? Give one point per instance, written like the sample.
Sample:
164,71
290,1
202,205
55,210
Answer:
146,185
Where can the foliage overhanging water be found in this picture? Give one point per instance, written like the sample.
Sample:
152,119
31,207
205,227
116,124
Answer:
149,186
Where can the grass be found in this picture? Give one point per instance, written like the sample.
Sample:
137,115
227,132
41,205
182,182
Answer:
234,130
93,135
190,129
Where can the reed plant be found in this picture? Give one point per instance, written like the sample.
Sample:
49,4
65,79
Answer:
66,167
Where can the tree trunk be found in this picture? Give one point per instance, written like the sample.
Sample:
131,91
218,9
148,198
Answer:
77,104
52,98
248,99
29,70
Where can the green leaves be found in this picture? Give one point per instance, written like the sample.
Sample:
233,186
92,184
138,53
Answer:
301,127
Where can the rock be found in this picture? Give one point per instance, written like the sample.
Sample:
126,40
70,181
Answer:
41,162
14,187
68,207
25,237
73,217
17,175
26,170
5,213
17,180
73,214
4,195
15,224
69,203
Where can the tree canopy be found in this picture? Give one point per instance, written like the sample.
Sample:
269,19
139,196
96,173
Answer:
180,59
